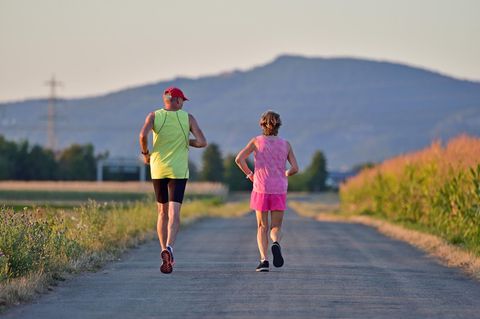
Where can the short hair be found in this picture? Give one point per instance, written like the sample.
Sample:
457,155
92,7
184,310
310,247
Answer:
171,98
270,122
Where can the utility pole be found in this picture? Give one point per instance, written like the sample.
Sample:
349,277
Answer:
51,137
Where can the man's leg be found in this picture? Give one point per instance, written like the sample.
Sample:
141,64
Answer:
173,222
161,195
162,222
176,191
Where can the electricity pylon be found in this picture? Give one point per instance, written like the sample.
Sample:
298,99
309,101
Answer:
51,136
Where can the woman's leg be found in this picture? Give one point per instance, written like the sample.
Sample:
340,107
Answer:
275,234
262,230
276,225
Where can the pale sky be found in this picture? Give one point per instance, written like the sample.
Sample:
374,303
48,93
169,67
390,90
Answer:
98,46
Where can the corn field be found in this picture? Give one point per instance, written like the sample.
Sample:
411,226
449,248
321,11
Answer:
436,189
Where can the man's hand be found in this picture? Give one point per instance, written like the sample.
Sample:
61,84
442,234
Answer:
146,159
143,137
199,141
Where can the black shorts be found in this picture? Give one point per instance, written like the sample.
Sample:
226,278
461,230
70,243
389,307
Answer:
169,189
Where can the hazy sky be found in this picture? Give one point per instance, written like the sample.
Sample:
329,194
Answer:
96,46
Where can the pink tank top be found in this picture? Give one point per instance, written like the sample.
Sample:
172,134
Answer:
270,164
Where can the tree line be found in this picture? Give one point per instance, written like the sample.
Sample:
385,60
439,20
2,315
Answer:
22,161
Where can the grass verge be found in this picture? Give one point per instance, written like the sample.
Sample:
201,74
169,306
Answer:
40,246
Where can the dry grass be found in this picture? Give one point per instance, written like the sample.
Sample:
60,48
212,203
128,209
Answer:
316,208
23,289
448,254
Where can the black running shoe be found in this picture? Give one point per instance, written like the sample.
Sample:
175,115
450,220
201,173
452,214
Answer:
166,266
277,255
263,266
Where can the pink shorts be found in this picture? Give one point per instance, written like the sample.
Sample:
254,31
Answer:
266,202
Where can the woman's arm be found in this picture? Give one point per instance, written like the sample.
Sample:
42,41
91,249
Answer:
242,156
293,162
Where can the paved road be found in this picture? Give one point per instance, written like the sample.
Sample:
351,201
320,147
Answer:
332,270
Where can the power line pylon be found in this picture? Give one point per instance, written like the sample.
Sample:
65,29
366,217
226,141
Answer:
51,136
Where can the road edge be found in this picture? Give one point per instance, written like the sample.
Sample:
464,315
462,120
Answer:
447,254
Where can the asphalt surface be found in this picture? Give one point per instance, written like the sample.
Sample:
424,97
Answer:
332,270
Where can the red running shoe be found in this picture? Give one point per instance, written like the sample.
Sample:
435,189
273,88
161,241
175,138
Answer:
166,266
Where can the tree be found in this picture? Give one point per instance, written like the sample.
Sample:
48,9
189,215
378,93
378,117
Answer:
298,183
233,175
316,173
212,169
40,164
21,161
8,151
77,163
193,171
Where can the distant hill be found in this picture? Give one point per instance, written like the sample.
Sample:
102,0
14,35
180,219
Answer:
354,110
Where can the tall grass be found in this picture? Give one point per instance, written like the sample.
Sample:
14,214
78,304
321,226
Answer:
436,189
47,243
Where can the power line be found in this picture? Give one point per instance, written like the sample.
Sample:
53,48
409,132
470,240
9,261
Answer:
51,136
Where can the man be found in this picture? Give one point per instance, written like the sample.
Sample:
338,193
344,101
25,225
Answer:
168,161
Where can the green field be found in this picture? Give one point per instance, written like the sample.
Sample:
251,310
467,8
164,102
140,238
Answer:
55,196
19,199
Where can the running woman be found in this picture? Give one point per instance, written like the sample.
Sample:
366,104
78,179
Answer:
269,178
171,127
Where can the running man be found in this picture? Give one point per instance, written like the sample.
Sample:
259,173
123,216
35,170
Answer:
171,127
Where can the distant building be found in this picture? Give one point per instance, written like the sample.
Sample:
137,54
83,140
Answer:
334,179
121,169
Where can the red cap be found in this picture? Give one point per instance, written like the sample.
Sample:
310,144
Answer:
175,92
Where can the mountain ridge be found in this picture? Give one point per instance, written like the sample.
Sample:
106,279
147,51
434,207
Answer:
355,110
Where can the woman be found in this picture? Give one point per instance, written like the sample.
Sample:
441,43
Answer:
269,178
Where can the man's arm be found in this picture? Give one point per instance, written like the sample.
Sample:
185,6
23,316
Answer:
199,141
147,127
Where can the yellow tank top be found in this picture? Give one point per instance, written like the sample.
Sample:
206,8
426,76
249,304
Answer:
169,158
